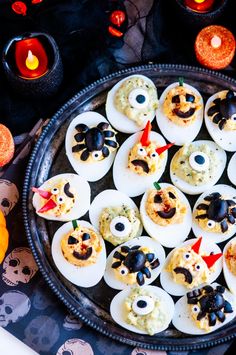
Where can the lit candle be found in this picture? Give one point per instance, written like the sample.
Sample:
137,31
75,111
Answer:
199,5
31,58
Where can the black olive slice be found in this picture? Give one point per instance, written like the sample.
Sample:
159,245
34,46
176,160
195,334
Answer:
84,156
220,315
171,195
187,274
105,152
85,236
150,257
182,114
79,137
140,278
231,219
118,256
110,143
233,211
135,247
175,99
201,315
230,94
231,202
116,264
222,124
190,98
208,288
220,289
167,215
146,272
103,125
125,249
224,226
143,164
202,206
78,147
109,134
157,199
202,216
155,264
84,256
217,118
135,260
212,110
227,307
81,128
67,190
72,240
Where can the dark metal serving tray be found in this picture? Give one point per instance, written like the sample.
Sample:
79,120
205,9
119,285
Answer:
48,158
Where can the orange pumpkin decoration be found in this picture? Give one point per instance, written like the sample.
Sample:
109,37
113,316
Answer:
4,237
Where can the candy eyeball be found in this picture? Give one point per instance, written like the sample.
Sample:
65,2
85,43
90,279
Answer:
131,103
63,197
220,119
196,167
143,310
91,145
180,113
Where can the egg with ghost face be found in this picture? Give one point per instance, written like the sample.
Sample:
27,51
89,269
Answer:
197,166
220,119
116,216
190,265
79,253
180,113
142,310
131,103
90,145
204,310
140,161
63,197
136,262
166,214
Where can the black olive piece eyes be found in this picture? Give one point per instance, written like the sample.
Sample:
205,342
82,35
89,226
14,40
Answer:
171,195
175,99
190,98
157,199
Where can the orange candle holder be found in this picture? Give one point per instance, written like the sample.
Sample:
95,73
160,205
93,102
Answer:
32,64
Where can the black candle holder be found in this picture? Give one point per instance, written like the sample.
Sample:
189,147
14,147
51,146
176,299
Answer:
200,19
39,87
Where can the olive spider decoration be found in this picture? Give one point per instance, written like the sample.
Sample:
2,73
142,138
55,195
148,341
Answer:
223,110
217,210
209,302
97,141
134,260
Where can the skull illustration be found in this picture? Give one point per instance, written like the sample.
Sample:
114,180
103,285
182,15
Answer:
139,351
13,306
72,323
9,196
19,266
42,299
41,333
75,347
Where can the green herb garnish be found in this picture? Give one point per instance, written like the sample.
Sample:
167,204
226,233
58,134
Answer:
75,224
181,81
157,186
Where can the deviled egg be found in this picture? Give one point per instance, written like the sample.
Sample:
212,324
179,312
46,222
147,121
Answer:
90,145
204,310
116,216
180,113
197,166
190,265
79,253
131,103
140,161
214,214
143,310
231,169
136,262
229,264
63,197
220,119
166,214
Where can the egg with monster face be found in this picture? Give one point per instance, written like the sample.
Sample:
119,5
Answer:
131,103
63,197
204,310
197,166
142,310
231,169
90,145
180,113
229,264
140,161
166,214
79,253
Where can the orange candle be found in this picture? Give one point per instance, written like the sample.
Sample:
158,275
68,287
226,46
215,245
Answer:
31,58
199,5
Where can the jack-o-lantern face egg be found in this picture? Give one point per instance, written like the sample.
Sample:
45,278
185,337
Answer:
181,104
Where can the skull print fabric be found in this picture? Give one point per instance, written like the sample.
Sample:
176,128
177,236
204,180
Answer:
9,196
13,306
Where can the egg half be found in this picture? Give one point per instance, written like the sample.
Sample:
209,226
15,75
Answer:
177,289
225,138
155,248
128,181
119,313
199,166
65,205
231,169
93,140
182,319
178,133
230,278
84,276
229,193
118,119
169,235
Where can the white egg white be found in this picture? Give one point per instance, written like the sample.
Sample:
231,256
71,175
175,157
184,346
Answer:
82,200
86,276
183,321
124,178
172,235
91,171
224,138
144,241
195,190
230,194
229,277
176,289
117,119
231,169
118,311
173,132
110,198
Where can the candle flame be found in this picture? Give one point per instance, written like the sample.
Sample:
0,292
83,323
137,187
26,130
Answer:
32,61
